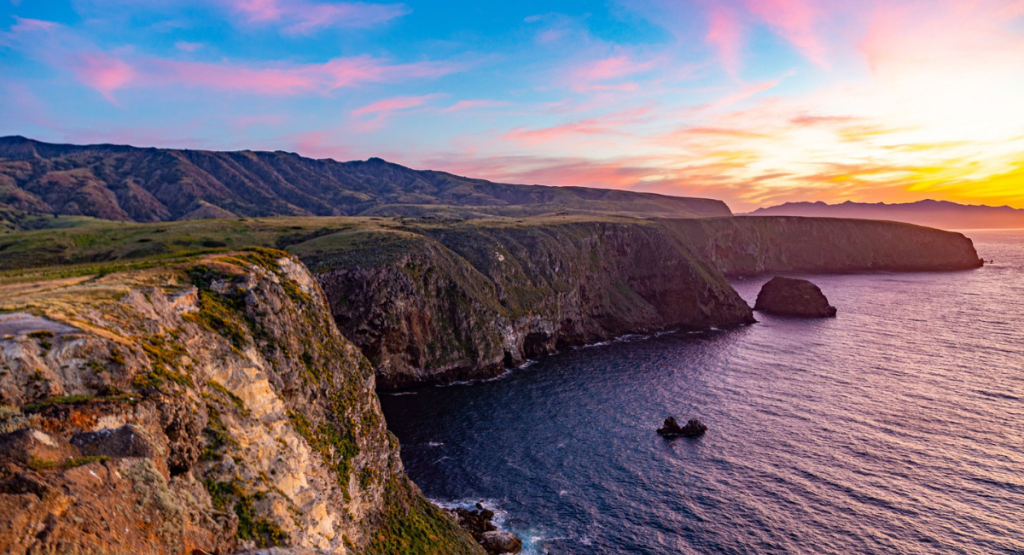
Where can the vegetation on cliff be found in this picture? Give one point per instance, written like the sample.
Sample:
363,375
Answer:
432,300
206,406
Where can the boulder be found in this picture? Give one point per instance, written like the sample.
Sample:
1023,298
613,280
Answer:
496,543
693,428
793,297
478,523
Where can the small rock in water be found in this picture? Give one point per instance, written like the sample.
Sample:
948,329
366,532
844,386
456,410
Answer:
496,543
478,524
793,297
693,428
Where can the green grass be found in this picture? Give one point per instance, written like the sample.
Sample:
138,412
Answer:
413,526
233,496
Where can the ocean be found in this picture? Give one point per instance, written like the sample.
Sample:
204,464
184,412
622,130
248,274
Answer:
897,427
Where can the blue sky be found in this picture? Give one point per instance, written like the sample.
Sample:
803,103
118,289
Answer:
751,101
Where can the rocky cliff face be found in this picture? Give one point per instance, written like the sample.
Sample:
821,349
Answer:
206,408
451,302
754,245
458,302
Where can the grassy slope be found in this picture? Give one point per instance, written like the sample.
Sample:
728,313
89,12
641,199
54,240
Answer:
148,184
88,246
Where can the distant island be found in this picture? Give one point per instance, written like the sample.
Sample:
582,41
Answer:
930,213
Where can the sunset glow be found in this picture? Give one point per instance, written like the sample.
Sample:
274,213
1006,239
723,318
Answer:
755,102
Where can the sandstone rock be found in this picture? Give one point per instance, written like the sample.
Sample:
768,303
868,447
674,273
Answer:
501,542
793,297
693,428
158,428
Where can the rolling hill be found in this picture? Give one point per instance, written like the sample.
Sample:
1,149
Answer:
125,183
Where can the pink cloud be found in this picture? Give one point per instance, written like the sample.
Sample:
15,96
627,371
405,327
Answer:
725,34
611,124
108,72
102,72
395,104
303,17
795,20
600,75
473,104
610,68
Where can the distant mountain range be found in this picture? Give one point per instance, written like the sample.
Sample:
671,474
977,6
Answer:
126,183
931,213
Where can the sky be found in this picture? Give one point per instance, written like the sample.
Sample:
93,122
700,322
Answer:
755,102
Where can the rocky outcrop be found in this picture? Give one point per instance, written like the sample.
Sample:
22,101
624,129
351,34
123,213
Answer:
693,428
757,245
793,297
498,543
210,407
477,522
466,301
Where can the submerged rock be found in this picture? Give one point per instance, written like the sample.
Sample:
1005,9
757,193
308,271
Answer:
693,428
793,297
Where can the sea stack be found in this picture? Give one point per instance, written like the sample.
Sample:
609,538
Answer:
793,297
693,428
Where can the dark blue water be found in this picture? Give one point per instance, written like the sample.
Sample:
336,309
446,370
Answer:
897,427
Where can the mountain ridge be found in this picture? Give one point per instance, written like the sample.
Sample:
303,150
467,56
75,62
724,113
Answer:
146,184
932,213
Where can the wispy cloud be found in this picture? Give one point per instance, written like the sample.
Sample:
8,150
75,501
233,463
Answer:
610,124
476,104
389,105
303,17
108,72
725,35
796,20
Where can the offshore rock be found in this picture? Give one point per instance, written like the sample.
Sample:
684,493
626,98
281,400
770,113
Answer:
693,428
793,297
497,543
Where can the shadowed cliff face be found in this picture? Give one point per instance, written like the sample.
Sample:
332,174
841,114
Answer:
205,408
466,301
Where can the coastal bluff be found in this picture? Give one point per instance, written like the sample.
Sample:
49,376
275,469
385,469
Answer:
436,300
464,301
203,407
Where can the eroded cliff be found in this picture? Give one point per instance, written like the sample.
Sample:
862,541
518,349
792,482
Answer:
208,407
464,301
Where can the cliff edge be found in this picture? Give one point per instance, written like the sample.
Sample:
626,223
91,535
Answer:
210,406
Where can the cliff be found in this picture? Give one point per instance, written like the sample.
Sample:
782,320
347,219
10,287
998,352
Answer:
931,213
124,183
430,300
755,245
465,301
208,406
